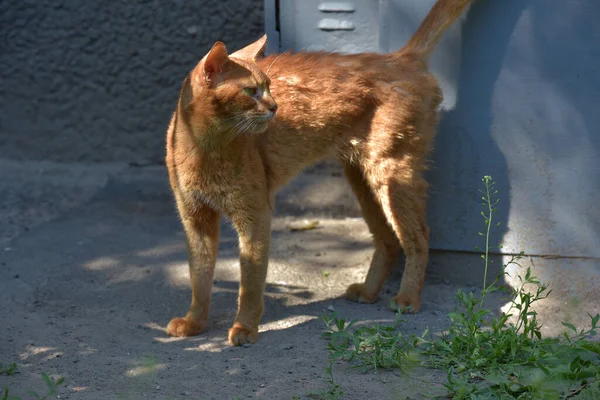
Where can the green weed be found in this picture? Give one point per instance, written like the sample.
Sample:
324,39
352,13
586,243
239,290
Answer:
484,356
375,346
51,384
9,369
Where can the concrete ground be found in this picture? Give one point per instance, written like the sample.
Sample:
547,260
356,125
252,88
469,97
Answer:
93,267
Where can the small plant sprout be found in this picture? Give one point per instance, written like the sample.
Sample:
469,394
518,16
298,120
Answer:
9,369
51,386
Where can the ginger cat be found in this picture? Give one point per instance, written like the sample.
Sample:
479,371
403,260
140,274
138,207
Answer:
246,124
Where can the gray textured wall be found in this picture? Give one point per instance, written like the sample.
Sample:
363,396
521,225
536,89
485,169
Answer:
97,80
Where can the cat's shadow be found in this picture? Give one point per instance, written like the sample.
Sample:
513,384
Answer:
465,149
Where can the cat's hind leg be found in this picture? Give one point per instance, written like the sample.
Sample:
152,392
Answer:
387,246
401,192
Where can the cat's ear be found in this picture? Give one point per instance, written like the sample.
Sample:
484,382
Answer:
253,51
214,63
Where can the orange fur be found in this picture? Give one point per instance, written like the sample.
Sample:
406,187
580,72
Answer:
227,154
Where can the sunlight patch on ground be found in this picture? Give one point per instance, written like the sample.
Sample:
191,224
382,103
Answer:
378,321
178,274
286,323
101,263
154,326
215,345
32,351
161,251
87,350
130,274
148,368
53,355
169,339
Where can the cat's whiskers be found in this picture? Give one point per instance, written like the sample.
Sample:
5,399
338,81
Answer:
251,122
276,58
255,122
243,128
239,127
234,117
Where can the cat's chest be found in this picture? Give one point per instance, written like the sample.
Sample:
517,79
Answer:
221,186
217,190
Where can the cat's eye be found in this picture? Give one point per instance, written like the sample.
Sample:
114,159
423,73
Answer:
250,91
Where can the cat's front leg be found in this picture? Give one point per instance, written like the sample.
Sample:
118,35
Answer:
202,233
254,230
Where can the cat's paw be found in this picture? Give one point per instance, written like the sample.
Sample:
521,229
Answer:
406,304
357,292
239,336
183,327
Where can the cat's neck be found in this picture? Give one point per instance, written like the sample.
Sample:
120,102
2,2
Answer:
206,136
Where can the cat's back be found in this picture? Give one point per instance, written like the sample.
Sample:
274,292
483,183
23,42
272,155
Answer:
317,84
346,84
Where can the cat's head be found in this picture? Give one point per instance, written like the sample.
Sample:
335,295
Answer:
232,90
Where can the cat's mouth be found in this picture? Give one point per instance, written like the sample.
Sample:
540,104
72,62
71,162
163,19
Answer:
269,115
253,123
260,123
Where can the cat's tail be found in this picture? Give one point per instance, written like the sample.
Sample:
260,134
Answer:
441,16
